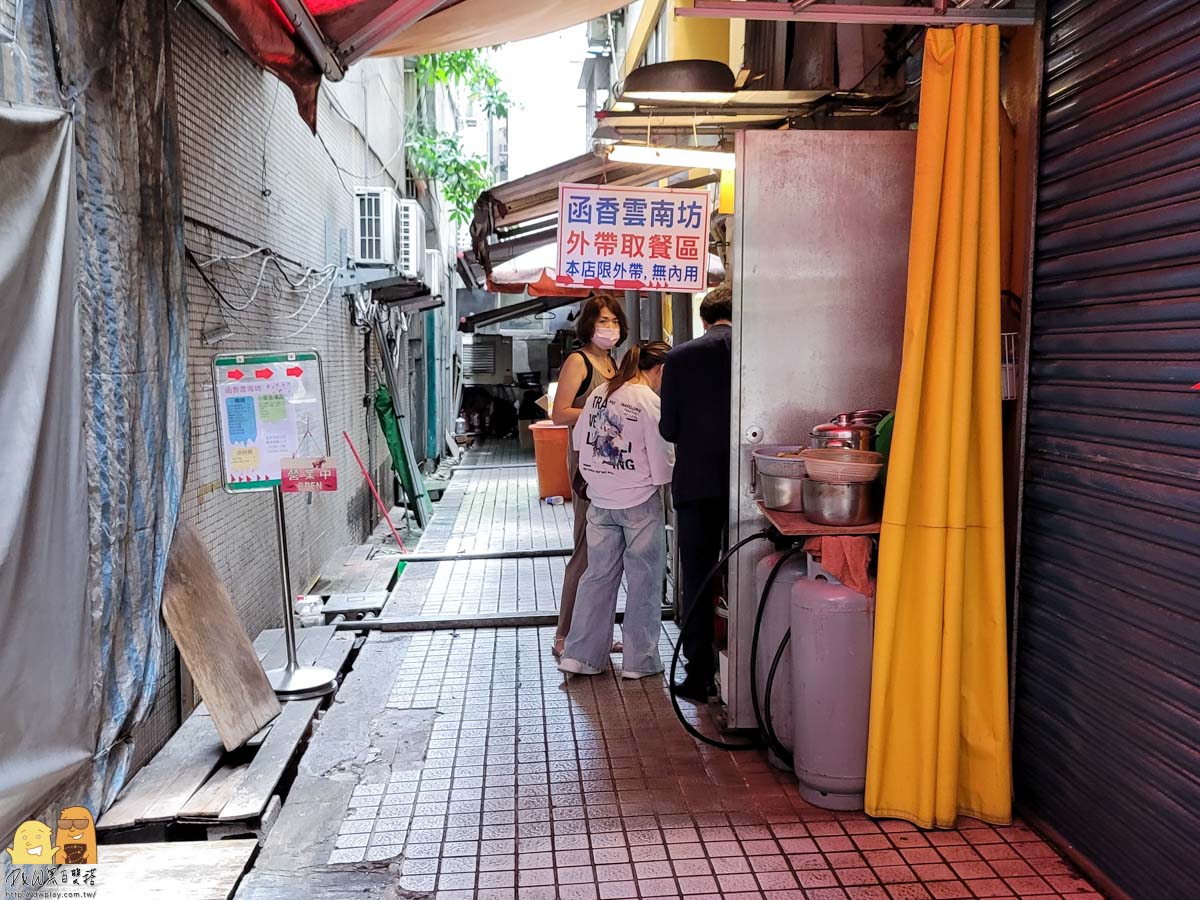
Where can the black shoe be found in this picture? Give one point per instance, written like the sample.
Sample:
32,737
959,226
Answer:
694,689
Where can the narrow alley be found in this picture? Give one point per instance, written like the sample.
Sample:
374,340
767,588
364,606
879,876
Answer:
600,449
460,763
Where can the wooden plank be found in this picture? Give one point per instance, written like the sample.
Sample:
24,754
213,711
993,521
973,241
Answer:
257,740
276,656
337,651
310,643
797,525
258,783
267,646
208,802
180,870
212,642
159,790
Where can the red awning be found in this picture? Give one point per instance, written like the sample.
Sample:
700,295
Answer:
302,40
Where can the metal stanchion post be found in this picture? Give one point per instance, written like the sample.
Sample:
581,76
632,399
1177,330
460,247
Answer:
293,681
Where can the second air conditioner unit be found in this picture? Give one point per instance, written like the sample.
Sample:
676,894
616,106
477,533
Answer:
388,231
434,275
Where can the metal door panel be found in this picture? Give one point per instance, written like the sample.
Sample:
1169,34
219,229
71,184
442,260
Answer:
821,260
1108,666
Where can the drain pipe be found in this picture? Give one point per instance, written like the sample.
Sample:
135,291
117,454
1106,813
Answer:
312,39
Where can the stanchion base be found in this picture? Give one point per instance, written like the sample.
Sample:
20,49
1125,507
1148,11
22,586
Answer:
302,683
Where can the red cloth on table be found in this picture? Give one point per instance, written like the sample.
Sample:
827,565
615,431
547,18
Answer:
847,558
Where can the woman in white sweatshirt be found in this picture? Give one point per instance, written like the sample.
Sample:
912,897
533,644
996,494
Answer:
625,463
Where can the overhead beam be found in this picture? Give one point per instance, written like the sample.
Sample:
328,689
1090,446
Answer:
469,324
767,10
398,16
311,37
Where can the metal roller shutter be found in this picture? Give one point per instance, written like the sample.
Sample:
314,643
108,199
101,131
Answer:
1108,653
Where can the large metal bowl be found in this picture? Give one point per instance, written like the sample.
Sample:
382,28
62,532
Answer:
841,505
782,493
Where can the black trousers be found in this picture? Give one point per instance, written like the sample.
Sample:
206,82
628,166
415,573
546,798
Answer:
701,526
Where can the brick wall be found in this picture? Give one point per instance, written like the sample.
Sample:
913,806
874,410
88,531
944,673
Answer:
254,176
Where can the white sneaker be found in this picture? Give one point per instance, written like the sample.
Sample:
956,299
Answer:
626,673
575,667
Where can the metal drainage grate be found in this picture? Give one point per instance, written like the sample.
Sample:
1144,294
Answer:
8,20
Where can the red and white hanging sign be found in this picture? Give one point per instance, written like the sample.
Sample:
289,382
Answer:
302,476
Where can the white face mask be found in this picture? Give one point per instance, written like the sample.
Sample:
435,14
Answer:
606,337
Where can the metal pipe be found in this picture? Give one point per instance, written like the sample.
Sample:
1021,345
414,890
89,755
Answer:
681,318
312,39
285,578
484,620
633,314
654,317
767,10
494,468
491,554
394,19
392,378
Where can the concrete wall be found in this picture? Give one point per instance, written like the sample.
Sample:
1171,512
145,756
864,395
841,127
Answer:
254,176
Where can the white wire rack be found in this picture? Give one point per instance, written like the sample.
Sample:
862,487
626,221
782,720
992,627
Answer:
1009,377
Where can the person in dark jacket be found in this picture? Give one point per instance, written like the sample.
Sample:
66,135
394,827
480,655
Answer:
695,418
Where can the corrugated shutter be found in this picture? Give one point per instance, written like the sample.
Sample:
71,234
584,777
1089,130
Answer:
1108,654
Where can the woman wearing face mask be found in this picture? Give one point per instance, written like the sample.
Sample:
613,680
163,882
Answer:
600,327
625,462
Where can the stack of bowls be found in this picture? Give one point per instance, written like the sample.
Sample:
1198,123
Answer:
842,465
841,488
780,474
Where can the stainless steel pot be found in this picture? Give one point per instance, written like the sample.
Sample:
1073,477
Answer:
841,505
836,435
867,416
782,493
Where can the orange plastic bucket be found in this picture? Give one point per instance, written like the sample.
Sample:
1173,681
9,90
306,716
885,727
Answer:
550,453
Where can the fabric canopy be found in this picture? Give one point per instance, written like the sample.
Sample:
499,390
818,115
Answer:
354,29
939,743
485,23
265,33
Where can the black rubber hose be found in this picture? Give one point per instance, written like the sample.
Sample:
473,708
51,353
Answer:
712,573
768,732
783,645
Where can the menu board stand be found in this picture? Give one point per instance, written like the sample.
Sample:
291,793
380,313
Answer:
293,681
270,411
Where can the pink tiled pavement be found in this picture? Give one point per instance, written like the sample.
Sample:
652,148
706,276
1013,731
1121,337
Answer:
536,787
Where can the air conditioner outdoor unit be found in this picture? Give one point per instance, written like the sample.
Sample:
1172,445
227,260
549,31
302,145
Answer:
434,274
388,231
410,245
487,359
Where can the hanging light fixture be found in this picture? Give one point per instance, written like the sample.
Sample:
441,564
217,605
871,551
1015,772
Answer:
683,157
680,81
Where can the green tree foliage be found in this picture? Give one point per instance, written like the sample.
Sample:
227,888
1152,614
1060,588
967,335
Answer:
468,67
461,175
440,157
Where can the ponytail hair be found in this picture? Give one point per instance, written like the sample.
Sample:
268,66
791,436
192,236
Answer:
638,358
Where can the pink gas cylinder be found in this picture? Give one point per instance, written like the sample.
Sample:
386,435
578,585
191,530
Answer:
832,636
776,621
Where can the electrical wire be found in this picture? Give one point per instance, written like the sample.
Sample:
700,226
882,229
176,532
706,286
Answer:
216,291
318,308
687,620
764,719
768,690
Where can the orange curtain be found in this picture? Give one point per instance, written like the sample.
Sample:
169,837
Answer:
939,741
